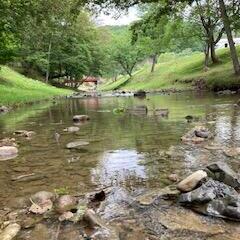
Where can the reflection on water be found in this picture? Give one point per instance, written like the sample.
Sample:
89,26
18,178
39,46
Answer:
123,148
118,166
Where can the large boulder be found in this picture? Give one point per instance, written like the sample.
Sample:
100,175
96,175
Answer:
222,172
80,118
215,199
192,181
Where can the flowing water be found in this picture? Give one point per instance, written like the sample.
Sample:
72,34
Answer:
124,149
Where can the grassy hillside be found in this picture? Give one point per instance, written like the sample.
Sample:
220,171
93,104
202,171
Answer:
16,88
180,72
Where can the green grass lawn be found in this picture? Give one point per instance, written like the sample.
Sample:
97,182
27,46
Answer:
180,72
16,89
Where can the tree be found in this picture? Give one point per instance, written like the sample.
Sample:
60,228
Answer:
169,6
228,30
126,54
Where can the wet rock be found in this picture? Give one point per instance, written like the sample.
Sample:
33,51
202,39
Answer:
192,181
166,193
66,216
71,129
76,144
66,203
200,195
223,173
4,109
177,219
79,118
202,133
10,231
42,207
24,133
42,196
173,177
8,151
140,93
8,142
161,112
197,135
232,152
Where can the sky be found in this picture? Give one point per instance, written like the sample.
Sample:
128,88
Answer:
122,18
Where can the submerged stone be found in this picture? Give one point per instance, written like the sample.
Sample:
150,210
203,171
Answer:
8,152
76,144
71,129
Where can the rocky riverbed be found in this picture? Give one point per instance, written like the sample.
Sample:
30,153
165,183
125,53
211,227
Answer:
160,167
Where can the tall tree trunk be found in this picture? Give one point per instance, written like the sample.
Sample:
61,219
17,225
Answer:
228,31
154,61
48,60
213,51
206,52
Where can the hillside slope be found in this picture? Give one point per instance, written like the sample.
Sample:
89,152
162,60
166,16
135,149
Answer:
16,88
181,72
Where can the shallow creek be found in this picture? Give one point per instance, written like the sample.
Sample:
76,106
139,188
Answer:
124,152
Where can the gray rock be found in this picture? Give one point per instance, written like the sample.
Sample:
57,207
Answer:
66,203
222,172
71,129
76,144
42,196
202,133
207,192
79,118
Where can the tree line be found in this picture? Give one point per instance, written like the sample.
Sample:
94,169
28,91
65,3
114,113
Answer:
58,40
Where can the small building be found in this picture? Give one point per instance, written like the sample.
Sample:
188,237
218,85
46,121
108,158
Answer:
223,43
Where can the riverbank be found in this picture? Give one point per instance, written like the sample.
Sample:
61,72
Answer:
181,73
16,89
